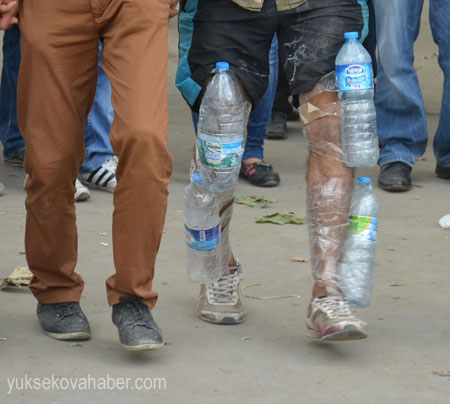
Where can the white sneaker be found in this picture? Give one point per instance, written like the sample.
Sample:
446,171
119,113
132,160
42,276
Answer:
104,177
220,302
2,188
82,193
329,318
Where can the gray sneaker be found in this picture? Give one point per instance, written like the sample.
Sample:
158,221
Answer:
63,321
329,318
137,329
220,302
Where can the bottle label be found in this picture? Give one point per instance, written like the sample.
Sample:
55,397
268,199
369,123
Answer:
363,228
219,155
355,77
202,240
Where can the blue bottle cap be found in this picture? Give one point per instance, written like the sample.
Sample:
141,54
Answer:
196,178
351,35
222,66
364,180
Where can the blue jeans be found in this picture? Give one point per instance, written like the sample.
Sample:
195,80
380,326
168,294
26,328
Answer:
97,125
260,116
10,136
402,127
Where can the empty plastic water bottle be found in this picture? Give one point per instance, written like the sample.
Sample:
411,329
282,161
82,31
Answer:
355,82
202,233
222,127
357,261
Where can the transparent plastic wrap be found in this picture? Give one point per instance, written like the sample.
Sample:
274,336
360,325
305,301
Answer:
357,260
202,233
328,207
225,200
329,180
325,119
222,128
209,267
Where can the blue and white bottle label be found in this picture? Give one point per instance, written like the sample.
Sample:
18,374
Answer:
355,77
202,240
219,155
363,228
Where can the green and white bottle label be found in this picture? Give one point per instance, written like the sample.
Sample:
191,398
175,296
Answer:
219,155
363,228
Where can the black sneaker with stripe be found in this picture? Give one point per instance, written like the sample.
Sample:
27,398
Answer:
260,174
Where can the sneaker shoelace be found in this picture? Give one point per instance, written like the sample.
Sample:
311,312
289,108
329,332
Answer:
225,289
335,306
67,309
139,315
111,164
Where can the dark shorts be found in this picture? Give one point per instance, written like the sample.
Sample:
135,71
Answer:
309,38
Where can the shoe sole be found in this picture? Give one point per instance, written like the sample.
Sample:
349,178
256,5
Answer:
348,333
94,186
265,185
82,197
444,176
394,188
277,136
70,336
225,320
142,347
14,163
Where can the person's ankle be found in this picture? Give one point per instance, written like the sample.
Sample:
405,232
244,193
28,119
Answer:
251,160
232,265
319,290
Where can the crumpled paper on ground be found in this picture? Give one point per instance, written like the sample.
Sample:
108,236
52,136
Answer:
444,222
20,277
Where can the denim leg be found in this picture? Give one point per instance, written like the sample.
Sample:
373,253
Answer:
10,135
281,97
98,123
401,121
440,27
260,116
370,43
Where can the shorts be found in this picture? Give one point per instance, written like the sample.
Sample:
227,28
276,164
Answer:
309,38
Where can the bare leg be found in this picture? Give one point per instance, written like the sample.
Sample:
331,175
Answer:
329,183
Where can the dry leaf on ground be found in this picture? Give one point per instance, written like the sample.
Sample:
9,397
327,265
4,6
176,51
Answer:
300,259
282,218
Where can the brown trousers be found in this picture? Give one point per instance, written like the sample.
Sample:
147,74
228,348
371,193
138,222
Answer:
57,84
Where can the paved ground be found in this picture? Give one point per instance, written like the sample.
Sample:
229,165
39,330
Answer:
267,359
